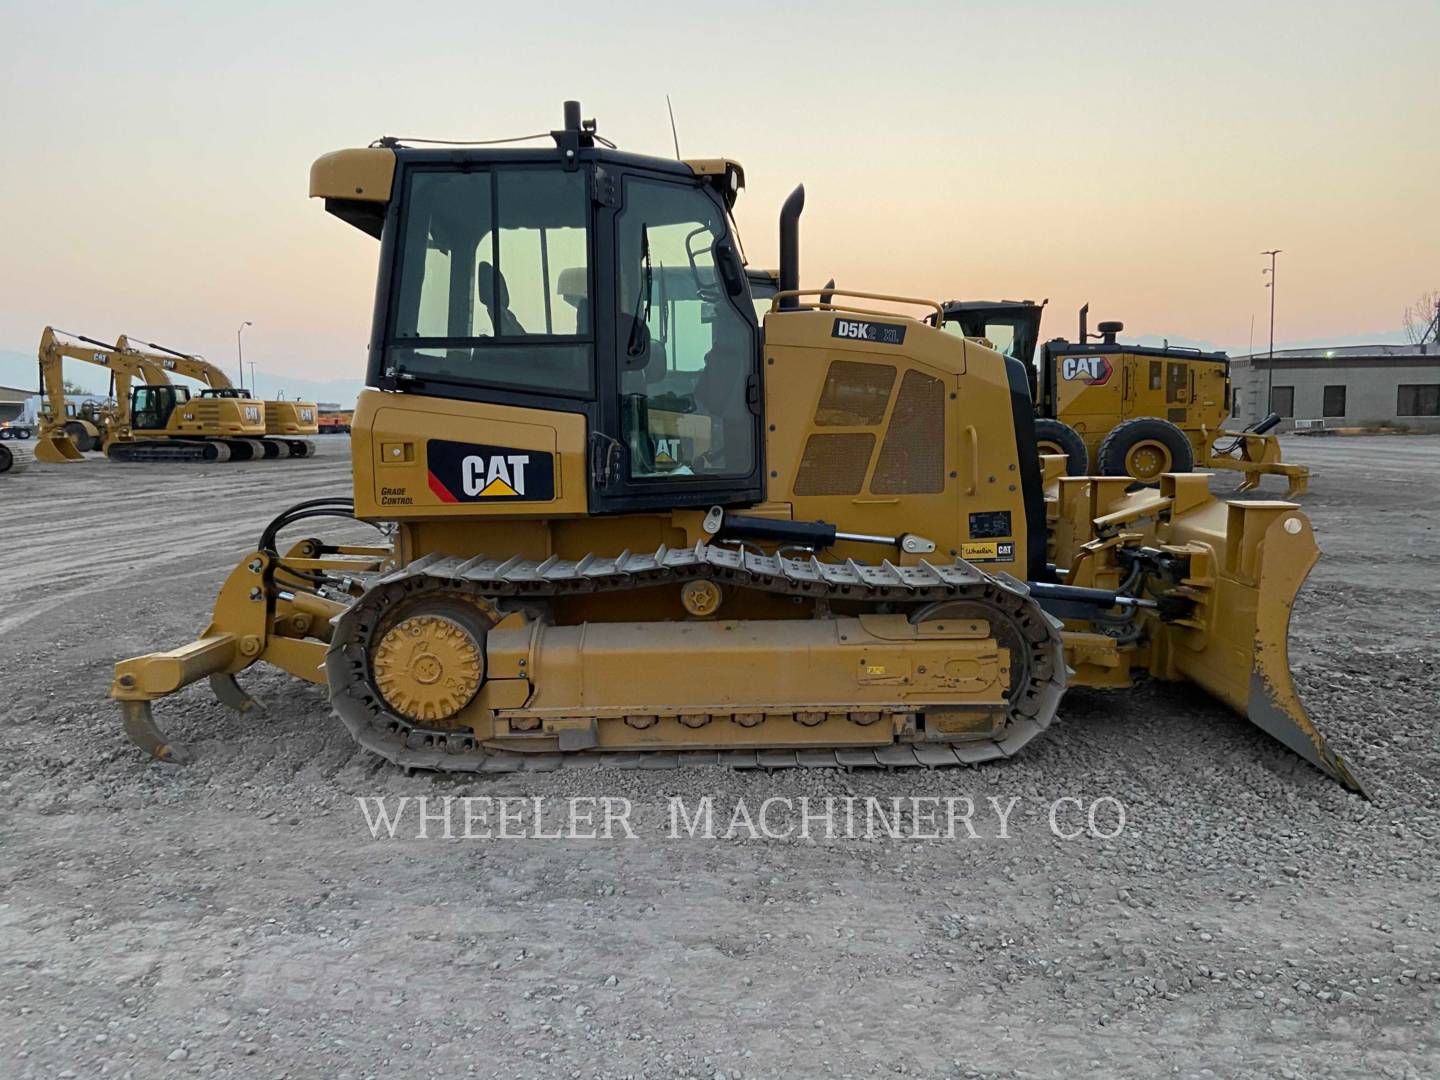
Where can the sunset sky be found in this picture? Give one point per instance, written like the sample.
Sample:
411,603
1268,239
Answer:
1136,155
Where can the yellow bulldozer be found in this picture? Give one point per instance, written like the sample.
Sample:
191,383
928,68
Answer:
149,418
1128,410
605,476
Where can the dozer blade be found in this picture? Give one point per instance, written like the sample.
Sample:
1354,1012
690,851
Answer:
1242,657
57,449
1278,712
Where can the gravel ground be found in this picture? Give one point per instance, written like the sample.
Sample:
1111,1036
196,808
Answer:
236,918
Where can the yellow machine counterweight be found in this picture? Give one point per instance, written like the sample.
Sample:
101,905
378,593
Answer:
631,524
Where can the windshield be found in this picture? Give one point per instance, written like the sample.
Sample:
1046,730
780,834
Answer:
494,279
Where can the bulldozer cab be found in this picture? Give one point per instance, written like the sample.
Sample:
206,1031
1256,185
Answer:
570,280
152,406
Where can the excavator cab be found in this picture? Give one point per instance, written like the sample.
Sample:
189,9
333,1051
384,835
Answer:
225,392
152,406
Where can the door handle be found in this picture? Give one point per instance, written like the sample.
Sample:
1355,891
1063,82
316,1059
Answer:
973,439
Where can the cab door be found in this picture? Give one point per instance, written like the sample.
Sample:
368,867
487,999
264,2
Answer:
151,406
1177,391
680,401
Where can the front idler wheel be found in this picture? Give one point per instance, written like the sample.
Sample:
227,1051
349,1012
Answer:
429,665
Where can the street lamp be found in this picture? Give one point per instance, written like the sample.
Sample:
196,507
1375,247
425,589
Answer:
1270,363
240,352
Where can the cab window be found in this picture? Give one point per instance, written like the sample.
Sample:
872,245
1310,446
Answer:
685,351
494,280
1000,334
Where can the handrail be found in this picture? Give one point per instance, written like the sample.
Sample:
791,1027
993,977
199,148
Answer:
786,294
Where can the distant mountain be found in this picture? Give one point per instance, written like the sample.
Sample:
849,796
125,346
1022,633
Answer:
18,370
1387,337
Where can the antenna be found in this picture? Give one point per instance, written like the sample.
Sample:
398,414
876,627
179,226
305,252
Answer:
673,133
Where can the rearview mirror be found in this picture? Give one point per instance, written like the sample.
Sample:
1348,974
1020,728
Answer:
731,272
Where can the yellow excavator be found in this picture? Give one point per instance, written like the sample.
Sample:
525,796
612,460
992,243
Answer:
288,424
604,478
154,420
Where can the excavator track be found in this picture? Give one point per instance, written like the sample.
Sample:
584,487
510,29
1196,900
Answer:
1016,620
14,458
211,450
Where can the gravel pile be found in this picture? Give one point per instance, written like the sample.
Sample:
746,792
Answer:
236,918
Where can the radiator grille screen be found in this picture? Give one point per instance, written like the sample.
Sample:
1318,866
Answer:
834,464
855,395
912,461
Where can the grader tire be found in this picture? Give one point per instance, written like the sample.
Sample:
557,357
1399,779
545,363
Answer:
1143,449
1056,437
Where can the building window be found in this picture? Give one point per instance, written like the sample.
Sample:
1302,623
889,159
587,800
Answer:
1282,400
1418,399
1334,401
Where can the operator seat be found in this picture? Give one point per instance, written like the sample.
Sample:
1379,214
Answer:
495,295
574,288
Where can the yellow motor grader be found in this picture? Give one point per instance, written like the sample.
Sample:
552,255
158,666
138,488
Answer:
604,476
1128,410
154,420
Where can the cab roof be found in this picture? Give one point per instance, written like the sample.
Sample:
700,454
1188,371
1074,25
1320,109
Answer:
357,184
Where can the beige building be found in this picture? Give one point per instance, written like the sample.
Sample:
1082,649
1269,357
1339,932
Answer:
1345,386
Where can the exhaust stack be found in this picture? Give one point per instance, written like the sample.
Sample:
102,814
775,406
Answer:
790,246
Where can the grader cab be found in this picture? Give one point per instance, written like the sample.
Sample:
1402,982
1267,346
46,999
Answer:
633,526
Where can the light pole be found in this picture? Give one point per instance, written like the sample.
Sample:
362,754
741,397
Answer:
1270,362
240,352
